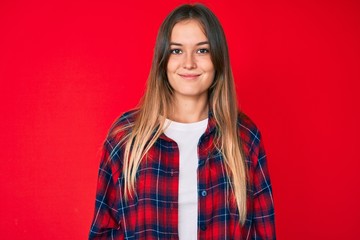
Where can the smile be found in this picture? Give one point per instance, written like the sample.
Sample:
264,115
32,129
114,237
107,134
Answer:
189,76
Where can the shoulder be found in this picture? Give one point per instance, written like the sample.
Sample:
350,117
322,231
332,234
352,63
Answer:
122,126
248,131
117,137
126,118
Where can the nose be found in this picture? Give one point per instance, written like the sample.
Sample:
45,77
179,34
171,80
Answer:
189,62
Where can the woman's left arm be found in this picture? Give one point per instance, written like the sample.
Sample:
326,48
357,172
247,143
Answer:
263,204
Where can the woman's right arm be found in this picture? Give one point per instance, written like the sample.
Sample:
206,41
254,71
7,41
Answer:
106,223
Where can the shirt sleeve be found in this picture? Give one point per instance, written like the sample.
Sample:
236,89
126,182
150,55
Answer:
263,205
106,223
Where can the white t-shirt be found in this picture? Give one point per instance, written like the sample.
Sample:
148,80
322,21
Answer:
187,136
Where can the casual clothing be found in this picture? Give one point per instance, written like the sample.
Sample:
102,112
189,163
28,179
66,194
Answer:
152,213
186,136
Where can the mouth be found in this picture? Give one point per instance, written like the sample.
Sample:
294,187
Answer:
189,76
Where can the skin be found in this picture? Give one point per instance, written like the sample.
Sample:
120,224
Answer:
190,72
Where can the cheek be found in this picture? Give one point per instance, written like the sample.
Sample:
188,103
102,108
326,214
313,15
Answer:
171,66
211,78
210,71
207,65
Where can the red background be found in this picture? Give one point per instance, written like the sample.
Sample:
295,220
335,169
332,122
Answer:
68,69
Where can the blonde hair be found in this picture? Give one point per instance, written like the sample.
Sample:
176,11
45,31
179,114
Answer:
157,100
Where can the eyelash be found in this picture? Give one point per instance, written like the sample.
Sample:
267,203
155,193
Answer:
177,51
203,50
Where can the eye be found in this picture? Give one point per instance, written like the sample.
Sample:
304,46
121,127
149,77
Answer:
203,51
175,51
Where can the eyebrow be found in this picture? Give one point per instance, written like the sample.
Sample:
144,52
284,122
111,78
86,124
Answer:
198,44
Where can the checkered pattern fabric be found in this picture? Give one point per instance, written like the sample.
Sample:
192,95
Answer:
152,213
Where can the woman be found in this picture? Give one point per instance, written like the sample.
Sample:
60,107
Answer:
185,164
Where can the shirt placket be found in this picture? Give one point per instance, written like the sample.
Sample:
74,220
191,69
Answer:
203,194
172,186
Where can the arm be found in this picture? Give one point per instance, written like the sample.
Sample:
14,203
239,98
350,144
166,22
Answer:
263,205
106,223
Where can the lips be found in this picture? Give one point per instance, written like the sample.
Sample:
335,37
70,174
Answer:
189,76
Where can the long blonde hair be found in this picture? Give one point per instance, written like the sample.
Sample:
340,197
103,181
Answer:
157,100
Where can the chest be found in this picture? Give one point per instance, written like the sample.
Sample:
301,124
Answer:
153,212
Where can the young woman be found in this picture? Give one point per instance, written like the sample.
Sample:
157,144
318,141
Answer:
186,164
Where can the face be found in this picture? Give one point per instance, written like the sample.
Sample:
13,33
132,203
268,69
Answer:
190,70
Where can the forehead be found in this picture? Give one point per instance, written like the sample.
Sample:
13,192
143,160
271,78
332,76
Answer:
188,30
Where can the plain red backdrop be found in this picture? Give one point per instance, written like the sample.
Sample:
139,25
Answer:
69,68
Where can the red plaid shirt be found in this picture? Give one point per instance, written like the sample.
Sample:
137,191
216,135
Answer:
153,211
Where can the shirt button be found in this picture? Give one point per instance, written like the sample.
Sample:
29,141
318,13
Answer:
203,193
203,227
172,172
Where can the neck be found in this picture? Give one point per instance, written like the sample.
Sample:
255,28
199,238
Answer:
186,110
